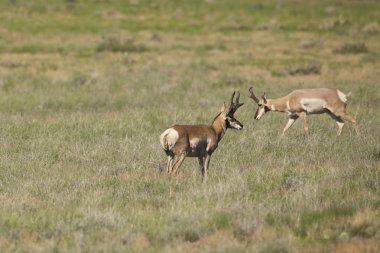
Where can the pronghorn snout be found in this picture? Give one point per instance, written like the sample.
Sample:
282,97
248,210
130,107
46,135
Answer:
237,125
234,124
259,113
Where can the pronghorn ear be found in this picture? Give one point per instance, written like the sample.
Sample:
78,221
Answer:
264,97
223,107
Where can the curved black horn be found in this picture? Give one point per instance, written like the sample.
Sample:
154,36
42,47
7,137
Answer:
237,100
252,95
264,97
234,104
232,98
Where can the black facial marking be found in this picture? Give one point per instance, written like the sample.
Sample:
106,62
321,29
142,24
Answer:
257,112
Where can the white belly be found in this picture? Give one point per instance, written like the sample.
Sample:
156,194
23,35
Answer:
313,105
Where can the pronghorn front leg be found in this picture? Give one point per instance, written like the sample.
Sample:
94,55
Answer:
338,121
178,163
291,120
302,116
207,162
201,164
346,116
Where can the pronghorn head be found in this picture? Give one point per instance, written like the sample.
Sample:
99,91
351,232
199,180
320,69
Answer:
228,113
262,103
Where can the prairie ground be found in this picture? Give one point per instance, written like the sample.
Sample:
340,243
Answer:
87,87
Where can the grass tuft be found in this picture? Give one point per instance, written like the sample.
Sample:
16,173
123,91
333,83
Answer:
307,219
310,69
274,248
219,221
351,48
113,44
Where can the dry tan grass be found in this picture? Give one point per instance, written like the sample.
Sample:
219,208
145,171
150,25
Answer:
80,156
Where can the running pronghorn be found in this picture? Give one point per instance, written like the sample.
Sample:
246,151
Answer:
299,103
198,140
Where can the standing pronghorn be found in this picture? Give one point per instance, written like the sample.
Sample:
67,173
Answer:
299,103
198,140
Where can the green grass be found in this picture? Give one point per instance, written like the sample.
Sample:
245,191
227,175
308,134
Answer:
112,44
85,92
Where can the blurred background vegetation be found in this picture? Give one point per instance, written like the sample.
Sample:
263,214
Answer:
86,88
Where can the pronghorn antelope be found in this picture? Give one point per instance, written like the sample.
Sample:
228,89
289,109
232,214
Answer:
198,140
300,103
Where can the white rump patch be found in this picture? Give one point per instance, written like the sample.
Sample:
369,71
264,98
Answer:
169,138
342,96
313,105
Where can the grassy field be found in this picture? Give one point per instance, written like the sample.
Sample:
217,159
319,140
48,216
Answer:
87,87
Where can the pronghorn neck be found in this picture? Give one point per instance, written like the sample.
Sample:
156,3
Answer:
220,126
279,104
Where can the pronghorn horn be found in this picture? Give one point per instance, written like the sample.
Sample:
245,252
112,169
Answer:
253,95
237,103
232,98
264,97
234,105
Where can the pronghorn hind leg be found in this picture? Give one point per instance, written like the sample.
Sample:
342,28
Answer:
169,165
178,163
291,120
